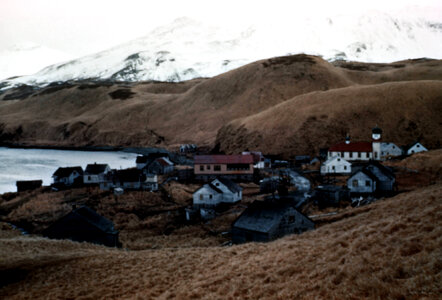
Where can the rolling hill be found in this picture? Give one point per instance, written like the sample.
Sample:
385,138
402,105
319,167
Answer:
304,100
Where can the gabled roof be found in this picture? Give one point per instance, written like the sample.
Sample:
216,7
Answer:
163,161
94,219
66,172
335,158
142,159
411,145
95,168
384,169
262,216
129,175
351,147
366,172
233,187
224,159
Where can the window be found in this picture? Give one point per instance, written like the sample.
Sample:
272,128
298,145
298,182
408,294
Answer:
88,178
217,168
394,147
418,146
238,167
201,168
342,154
351,154
375,155
208,167
339,159
217,184
345,167
359,154
333,168
367,183
355,183
201,196
210,196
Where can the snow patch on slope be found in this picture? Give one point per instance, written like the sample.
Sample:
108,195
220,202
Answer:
187,49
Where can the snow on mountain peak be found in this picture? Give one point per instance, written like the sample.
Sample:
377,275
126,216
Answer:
187,48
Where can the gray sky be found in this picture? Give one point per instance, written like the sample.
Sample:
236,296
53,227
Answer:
81,27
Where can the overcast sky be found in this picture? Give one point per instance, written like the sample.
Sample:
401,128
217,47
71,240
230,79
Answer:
81,27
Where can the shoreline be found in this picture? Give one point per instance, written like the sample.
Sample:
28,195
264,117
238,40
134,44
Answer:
136,150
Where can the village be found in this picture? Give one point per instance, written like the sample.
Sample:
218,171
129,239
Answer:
258,198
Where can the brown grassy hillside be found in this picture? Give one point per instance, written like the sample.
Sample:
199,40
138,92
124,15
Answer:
389,249
406,111
167,114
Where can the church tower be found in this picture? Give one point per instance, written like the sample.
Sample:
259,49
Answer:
376,142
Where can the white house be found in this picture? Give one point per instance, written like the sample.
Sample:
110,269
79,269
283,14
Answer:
300,182
94,173
390,150
336,165
68,176
220,190
415,147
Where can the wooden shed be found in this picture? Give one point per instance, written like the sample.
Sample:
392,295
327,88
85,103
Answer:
84,225
264,221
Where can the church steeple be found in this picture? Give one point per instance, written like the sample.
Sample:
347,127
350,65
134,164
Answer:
376,133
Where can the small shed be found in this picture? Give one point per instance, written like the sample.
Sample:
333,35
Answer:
28,185
330,195
84,225
264,221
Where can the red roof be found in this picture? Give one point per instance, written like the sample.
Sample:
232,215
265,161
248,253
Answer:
351,147
223,159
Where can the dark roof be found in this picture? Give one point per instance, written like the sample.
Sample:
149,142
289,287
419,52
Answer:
376,130
233,187
262,216
384,169
65,172
93,218
215,188
329,188
95,168
352,147
129,175
367,173
142,159
408,146
224,159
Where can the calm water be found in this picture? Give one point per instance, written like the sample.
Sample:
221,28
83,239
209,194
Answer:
32,164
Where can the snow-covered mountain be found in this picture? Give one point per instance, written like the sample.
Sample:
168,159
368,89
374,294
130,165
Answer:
187,49
20,58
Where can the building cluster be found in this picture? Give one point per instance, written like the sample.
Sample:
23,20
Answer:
221,175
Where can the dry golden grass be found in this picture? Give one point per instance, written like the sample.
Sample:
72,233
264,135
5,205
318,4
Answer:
167,114
389,249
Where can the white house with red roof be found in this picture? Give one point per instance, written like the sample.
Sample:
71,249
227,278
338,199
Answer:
359,151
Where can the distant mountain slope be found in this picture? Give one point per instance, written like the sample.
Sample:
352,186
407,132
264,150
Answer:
282,105
187,49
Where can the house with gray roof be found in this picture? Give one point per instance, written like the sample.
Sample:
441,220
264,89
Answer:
84,225
69,176
219,190
264,221
94,173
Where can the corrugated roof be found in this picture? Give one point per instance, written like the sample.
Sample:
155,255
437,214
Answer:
164,162
224,159
351,147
